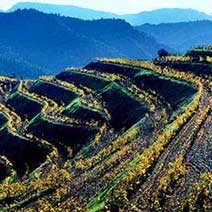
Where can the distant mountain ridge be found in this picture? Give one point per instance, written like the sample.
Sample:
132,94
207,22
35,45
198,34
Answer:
181,36
65,10
50,43
169,15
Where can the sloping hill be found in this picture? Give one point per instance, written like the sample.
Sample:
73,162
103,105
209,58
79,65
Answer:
181,36
118,135
52,42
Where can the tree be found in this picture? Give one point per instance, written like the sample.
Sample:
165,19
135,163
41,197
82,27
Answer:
163,53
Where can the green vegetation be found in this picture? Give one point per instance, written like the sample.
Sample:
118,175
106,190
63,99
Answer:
93,82
23,105
61,133
83,113
119,135
3,120
25,155
57,93
124,109
173,91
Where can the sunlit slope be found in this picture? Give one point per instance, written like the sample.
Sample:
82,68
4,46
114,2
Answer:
118,135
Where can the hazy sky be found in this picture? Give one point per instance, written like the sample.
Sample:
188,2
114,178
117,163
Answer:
124,6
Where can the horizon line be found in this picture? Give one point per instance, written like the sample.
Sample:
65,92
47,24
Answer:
99,10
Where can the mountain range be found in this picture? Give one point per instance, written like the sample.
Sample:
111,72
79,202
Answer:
168,15
65,10
33,43
180,36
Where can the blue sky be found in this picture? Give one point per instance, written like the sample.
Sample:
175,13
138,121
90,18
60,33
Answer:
125,6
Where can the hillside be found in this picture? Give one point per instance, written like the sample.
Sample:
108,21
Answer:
52,42
13,65
181,36
118,135
167,15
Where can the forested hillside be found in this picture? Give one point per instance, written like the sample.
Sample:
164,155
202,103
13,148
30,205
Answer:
50,42
181,36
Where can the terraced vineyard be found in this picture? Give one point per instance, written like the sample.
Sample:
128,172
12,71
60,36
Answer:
118,135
